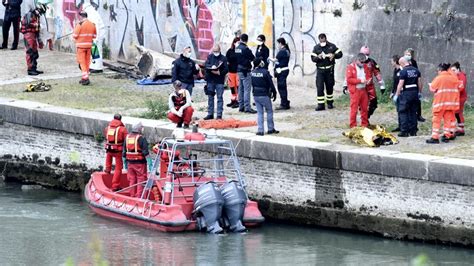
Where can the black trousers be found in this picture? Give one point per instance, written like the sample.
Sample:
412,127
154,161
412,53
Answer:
407,108
325,78
283,89
7,23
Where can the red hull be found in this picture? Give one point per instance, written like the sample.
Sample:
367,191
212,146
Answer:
149,213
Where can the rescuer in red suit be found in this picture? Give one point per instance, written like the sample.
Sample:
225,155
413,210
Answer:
374,71
30,28
358,76
115,134
135,152
179,103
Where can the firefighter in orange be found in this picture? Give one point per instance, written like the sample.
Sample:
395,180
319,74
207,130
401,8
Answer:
84,33
135,152
445,103
115,134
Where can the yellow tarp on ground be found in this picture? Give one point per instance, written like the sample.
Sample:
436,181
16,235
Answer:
37,87
372,136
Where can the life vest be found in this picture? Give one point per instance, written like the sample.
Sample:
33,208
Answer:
133,150
179,100
84,33
114,139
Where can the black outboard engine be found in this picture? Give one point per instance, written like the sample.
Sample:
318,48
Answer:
208,204
235,201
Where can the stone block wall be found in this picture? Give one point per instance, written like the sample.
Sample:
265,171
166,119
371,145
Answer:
400,195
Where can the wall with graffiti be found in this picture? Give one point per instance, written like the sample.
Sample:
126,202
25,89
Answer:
387,26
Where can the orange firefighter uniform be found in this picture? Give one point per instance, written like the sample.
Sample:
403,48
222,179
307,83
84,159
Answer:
445,103
84,33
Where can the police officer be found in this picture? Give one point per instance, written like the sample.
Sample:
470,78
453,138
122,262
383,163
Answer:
281,72
263,90
408,88
244,61
184,69
12,16
262,51
324,55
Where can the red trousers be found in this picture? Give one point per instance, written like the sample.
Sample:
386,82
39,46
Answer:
137,173
233,83
186,118
359,100
31,46
460,117
83,56
118,167
449,123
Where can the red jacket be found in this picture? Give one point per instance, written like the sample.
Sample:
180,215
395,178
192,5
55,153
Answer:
462,90
351,76
115,134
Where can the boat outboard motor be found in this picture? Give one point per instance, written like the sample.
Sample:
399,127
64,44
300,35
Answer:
235,201
208,204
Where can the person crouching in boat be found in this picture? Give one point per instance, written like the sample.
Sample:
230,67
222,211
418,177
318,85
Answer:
135,152
115,134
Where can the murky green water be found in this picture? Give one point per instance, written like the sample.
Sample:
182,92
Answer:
46,227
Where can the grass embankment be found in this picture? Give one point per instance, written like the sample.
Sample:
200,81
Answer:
107,93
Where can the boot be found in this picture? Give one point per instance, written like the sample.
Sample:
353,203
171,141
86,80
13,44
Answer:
320,107
179,125
445,139
330,105
432,141
32,73
85,82
403,134
50,44
235,105
209,117
232,103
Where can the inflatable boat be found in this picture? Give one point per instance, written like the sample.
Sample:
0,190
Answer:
195,184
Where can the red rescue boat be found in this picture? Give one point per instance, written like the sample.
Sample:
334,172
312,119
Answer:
195,184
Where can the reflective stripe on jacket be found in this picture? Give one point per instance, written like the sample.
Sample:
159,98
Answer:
84,33
133,150
446,92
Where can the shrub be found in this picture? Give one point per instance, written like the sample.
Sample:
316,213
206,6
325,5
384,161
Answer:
157,109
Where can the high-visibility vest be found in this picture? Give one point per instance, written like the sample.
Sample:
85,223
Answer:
84,33
446,92
114,139
133,150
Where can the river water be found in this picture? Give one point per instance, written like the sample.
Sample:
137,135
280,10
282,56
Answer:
48,227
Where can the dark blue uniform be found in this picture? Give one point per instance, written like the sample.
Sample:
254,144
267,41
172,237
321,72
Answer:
184,70
283,58
263,89
325,72
244,65
408,101
263,53
12,16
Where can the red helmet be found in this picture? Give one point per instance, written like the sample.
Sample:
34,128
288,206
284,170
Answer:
365,50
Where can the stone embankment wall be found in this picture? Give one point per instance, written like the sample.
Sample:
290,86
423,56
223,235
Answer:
399,195
439,30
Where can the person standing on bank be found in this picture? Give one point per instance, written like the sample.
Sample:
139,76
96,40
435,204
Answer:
244,66
84,34
262,51
358,77
445,87
396,79
281,72
408,88
115,133
30,28
135,152
410,57
232,77
184,69
324,55
374,72
12,16
456,69
179,103
216,70
263,91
